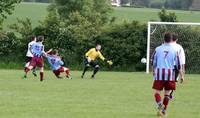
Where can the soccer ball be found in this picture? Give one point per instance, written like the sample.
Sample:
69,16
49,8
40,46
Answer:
144,60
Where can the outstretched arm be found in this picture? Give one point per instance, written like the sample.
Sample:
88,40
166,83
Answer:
47,52
104,59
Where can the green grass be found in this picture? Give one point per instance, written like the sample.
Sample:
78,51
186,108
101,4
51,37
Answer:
34,11
111,95
146,14
38,11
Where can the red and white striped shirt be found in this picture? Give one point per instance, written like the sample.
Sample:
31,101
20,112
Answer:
163,60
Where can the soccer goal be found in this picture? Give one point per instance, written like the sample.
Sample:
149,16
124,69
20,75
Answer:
188,37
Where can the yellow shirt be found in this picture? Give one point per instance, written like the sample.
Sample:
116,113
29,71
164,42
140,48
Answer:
93,54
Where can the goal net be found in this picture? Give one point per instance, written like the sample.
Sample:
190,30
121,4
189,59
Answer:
188,37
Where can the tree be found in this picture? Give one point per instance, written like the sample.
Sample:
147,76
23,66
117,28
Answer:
90,9
6,8
167,17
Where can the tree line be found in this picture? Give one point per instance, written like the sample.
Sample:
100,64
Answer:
168,4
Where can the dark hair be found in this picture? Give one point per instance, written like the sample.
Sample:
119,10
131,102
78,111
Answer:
175,37
54,51
33,37
40,38
98,44
168,37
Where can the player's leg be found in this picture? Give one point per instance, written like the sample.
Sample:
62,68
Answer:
166,101
67,71
176,74
169,86
40,63
34,71
28,60
96,69
41,73
158,98
57,74
158,86
26,70
29,67
87,65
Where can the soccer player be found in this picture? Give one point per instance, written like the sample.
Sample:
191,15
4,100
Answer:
57,64
181,54
29,55
163,62
37,50
90,58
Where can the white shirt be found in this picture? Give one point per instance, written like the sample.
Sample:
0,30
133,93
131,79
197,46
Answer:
180,51
29,54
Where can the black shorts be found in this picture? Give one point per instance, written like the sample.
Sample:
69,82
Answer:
92,63
28,59
176,73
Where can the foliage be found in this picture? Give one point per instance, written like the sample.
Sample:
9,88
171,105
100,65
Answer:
6,8
167,17
8,44
90,9
125,44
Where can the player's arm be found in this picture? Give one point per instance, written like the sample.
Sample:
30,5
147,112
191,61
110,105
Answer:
61,62
104,59
31,49
182,56
178,64
47,52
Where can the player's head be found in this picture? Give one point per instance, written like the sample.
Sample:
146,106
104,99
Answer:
40,39
168,37
98,47
33,38
55,52
174,37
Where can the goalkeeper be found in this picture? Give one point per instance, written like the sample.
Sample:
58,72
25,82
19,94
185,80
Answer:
90,58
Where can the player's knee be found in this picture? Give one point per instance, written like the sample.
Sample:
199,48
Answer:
87,65
167,92
97,67
156,92
41,69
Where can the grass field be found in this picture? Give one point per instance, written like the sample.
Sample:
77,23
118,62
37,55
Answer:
38,11
110,95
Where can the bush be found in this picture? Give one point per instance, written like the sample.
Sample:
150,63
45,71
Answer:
125,44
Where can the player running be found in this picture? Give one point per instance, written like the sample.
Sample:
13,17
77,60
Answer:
90,58
163,62
181,54
57,64
37,50
29,55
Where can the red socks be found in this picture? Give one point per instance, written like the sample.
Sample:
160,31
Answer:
166,101
68,72
157,98
26,70
41,76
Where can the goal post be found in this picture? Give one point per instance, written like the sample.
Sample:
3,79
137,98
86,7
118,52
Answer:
189,37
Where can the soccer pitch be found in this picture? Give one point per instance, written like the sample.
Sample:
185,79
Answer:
110,95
